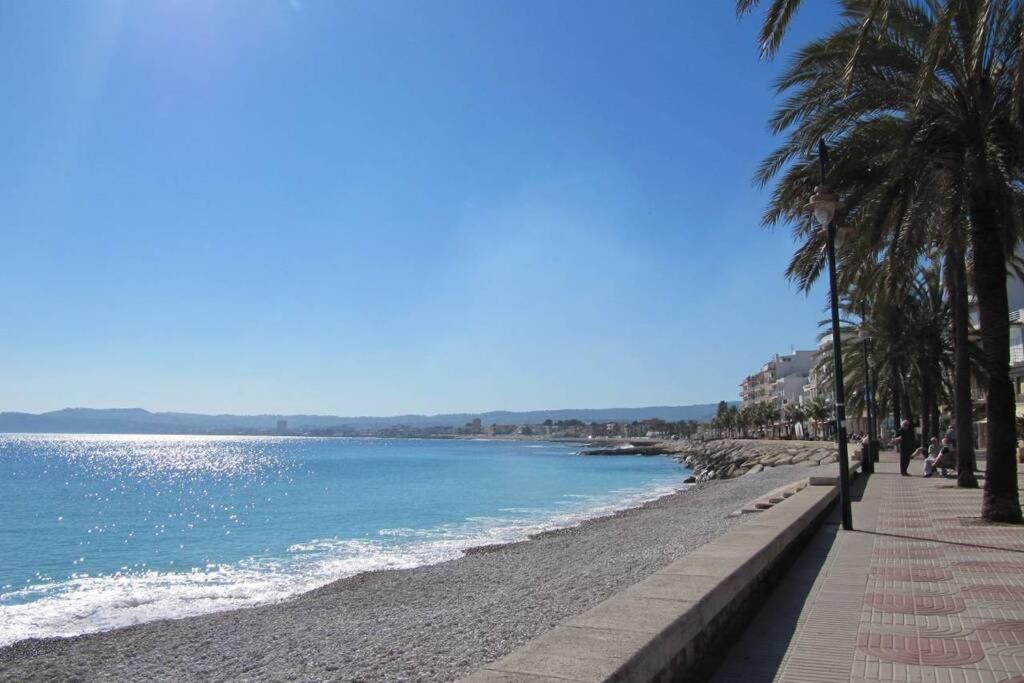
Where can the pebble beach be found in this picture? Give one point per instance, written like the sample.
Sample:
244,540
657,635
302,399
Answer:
431,623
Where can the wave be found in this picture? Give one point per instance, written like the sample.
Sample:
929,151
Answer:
87,604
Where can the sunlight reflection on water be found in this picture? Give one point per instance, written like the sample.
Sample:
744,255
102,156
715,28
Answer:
105,531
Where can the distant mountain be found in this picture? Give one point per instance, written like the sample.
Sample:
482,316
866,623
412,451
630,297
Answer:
139,421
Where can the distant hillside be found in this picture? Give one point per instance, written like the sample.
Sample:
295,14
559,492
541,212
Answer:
139,421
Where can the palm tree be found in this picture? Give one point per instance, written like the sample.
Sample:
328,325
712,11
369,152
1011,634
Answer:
776,22
795,414
724,418
750,418
963,404
910,354
734,420
780,13
929,135
772,415
757,416
818,411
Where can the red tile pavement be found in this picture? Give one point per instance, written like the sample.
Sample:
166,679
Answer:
926,651
914,604
921,590
913,573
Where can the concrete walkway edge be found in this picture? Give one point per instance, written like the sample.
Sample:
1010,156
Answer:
666,625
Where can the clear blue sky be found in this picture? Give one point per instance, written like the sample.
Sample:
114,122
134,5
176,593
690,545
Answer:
383,207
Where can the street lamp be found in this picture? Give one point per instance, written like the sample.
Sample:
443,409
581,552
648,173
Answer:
869,393
823,205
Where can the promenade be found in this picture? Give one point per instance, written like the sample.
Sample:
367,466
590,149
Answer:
921,590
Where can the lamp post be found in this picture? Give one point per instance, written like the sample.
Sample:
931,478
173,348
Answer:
869,395
823,205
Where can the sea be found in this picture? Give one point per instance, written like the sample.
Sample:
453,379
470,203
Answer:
102,531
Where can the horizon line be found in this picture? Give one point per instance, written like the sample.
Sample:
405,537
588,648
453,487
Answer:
395,415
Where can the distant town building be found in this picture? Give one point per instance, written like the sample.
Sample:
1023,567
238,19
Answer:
819,381
475,427
1015,299
781,380
282,426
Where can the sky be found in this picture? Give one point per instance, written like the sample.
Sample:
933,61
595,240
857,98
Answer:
384,207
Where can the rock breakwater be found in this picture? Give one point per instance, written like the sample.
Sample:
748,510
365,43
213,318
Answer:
729,458
633,449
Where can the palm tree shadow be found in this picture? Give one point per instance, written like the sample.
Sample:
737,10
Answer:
979,546
860,490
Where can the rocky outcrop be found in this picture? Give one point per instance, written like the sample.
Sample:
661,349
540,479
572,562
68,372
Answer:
633,449
728,458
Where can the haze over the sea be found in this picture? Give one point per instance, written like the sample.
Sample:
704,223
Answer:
139,421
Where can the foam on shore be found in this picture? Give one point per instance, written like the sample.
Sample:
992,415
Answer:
87,604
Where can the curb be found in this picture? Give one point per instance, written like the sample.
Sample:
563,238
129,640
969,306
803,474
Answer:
668,624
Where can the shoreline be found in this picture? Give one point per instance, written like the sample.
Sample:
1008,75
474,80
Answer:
552,522
431,622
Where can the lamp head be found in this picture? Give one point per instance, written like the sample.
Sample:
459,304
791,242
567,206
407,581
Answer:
823,204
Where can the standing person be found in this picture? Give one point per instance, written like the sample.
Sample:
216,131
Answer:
905,441
951,433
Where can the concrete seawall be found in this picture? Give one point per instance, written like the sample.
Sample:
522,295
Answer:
673,623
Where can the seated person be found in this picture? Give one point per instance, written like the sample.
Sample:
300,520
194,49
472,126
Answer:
942,460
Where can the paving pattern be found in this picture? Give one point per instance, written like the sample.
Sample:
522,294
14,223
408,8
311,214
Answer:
921,590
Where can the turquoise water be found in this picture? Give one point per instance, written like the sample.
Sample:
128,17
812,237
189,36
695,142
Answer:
104,531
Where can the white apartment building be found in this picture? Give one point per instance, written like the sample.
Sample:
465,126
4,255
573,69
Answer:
781,379
819,383
1015,298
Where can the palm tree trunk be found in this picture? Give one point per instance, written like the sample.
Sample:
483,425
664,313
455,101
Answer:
897,399
963,405
1001,502
908,414
926,390
936,379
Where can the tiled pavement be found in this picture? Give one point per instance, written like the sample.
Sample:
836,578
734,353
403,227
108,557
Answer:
921,590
